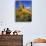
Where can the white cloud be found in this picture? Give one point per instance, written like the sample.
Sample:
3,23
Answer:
28,7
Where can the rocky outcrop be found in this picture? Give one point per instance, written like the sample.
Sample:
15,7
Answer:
39,40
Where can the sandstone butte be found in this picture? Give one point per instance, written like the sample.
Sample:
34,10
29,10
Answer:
23,10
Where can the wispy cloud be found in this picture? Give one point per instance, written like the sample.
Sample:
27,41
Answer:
28,7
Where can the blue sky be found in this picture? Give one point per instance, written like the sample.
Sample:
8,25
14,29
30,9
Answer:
26,3
25,0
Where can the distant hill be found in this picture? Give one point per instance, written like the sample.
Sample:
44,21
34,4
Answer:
39,40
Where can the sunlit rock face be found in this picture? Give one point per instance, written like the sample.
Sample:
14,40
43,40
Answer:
22,9
39,40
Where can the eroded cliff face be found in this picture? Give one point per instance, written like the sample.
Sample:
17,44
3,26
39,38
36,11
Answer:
39,40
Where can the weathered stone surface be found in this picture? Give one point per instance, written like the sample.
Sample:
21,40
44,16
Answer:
11,40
